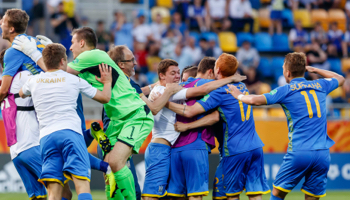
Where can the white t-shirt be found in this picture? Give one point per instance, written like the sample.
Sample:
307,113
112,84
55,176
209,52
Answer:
158,30
55,97
237,8
165,119
217,8
196,53
141,32
27,125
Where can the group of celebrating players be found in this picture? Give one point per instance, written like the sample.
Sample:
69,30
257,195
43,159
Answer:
45,126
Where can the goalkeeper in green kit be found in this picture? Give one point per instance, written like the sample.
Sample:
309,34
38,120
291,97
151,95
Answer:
131,120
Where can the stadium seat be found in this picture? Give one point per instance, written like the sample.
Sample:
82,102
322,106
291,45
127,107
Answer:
165,3
335,64
337,15
345,113
265,1
264,18
210,36
345,64
280,43
228,41
264,88
242,36
337,93
265,67
152,77
287,18
259,112
164,12
263,42
196,36
320,15
276,112
304,16
276,65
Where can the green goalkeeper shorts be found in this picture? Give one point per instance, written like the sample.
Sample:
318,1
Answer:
132,129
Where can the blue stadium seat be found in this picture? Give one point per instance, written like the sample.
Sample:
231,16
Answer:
287,18
265,67
210,36
280,42
276,65
242,36
335,65
263,42
255,4
152,77
196,36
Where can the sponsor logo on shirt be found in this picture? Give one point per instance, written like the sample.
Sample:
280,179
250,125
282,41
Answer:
273,92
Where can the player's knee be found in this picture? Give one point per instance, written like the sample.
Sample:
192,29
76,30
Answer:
198,197
233,197
255,197
279,193
67,193
307,197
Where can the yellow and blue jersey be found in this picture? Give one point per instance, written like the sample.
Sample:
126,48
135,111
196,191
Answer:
304,103
239,134
15,61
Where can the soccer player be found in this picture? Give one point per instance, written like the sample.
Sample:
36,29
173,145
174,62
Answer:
243,163
131,119
189,71
54,95
304,103
157,156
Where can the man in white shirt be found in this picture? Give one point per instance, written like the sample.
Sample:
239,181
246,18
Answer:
240,12
157,155
54,95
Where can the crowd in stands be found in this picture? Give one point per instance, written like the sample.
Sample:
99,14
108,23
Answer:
258,32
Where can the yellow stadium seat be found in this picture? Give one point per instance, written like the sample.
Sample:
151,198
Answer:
336,93
264,88
320,15
345,113
165,3
337,15
345,64
228,41
264,18
304,16
164,12
259,112
256,26
276,112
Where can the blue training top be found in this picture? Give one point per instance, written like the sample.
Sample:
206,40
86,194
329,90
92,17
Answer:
239,134
15,61
304,103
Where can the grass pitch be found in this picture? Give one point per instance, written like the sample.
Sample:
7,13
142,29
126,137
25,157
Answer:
100,195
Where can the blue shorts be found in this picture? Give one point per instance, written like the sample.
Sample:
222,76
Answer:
276,15
64,154
245,170
189,171
157,161
218,187
313,165
28,164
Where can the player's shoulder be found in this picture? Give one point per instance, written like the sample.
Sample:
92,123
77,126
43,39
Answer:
10,52
158,88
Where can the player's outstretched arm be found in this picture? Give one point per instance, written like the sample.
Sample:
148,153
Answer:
158,103
5,86
106,79
207,120
184,110
326,74
247,99
208,87
147,89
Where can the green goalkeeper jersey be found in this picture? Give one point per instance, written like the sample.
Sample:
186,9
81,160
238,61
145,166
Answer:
124,99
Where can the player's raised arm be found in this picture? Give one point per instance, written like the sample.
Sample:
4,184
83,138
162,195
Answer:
207,120
106,79
326,74
247,99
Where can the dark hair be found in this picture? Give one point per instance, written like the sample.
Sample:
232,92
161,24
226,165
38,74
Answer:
191,70
165,64
18,19
52,55
206,64
2,55
86,34
99,22
295,63
117,53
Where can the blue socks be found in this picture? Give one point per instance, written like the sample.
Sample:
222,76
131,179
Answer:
84,196
274,197
104,166
98,164
64,198
88,137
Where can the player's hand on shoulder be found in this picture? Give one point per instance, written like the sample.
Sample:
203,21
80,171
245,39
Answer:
44,40
173,87
154,96
106,74
234,91
180,127
27,46
237,78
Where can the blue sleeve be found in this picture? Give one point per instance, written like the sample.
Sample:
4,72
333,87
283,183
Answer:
105,120
213,99
328,84
80,111
136,86
276,96
12,62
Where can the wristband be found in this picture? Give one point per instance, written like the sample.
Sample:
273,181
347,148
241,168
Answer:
150,87
240,97
36,55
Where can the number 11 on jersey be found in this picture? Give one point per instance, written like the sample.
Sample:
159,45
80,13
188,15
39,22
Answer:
308,103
